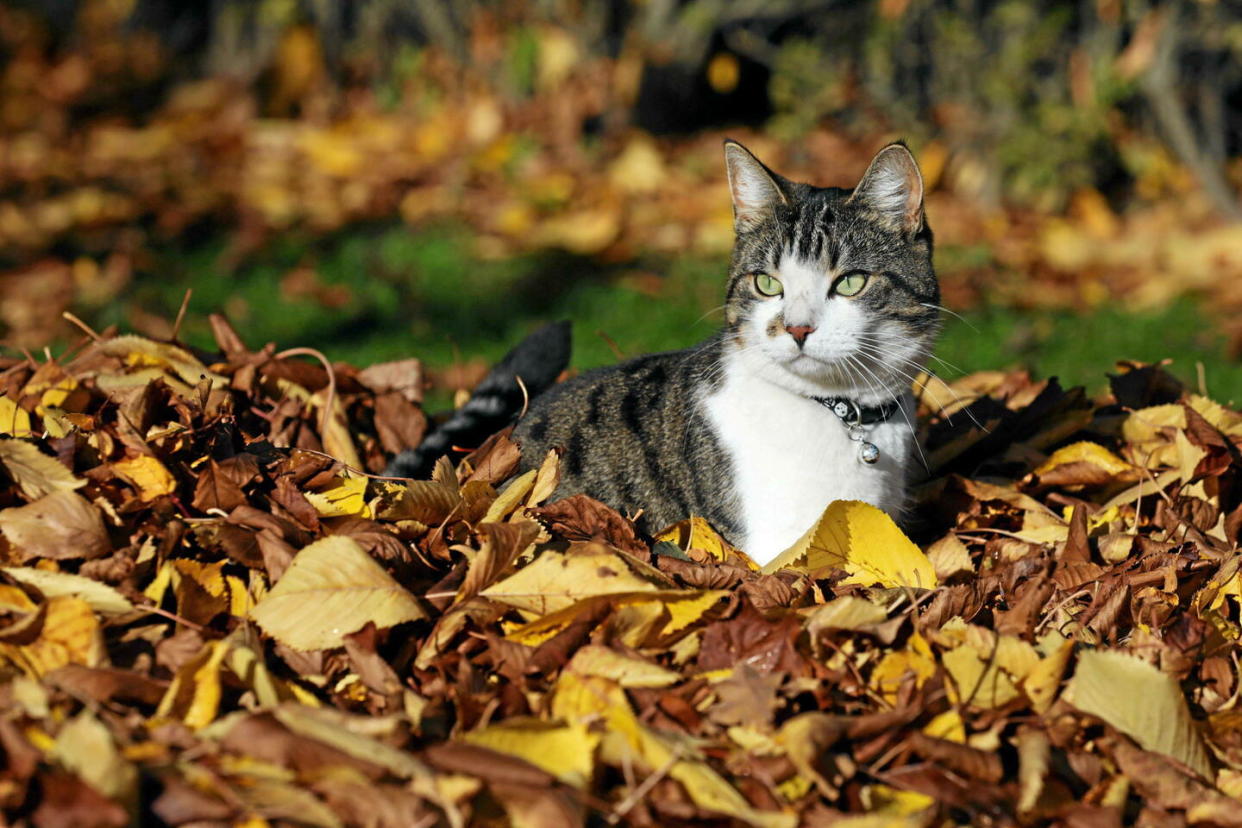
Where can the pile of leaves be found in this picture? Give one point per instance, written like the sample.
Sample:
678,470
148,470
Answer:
204,618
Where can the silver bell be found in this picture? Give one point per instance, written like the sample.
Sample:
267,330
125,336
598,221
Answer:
868,452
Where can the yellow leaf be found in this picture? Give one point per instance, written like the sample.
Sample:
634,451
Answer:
696,533
896,802
331,589
140,352
1044,680
639,168
509,499
1033,754
862,540
915,660
194,694
1086,452
582,699
36,474
245,661
159,584
627,671
85,747
565,751
148,475
337,441
12,599
556,580
546,480
948,726
845,613
949,556
99,596
978,682
684,610
723,72
240,599
70,635
1152,710
14,420
346,497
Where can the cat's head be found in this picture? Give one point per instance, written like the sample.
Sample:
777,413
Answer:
831,291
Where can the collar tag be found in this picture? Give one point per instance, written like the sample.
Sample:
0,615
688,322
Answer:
856,418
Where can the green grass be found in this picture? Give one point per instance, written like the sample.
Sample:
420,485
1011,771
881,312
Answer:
426,294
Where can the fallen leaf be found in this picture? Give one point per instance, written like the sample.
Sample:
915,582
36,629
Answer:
565,751
69,634
195,693
1152,711
556,580
148,475
862,540
331,589
99,596
58,526
36,474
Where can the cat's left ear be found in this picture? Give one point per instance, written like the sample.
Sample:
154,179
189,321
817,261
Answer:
893,187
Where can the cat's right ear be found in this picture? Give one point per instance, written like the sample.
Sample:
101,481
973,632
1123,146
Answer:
754,187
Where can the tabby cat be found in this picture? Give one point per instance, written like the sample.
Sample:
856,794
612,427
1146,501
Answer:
804,396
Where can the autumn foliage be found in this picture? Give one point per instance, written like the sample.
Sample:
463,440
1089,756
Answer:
207,619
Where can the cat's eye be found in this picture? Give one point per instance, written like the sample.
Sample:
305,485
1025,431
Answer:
850,284
768,285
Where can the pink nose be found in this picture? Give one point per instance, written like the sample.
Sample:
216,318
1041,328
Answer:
800,333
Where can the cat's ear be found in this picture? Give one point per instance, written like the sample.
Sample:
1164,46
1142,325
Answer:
893,187
755,189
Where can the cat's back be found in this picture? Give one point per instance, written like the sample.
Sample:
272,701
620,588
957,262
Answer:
635,436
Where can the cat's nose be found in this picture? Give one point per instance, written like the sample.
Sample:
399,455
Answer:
800,333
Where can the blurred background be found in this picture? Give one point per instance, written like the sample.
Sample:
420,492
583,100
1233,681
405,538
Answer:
386,178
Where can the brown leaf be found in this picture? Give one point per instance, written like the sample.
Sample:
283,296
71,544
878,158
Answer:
290,497
747,697
220,484
373,670
103,684
750,638
967,761
67,802
501,544
399,423
579,518
262,737
60,526
494,461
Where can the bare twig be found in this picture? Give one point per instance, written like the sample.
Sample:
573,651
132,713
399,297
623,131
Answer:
185,304
86,329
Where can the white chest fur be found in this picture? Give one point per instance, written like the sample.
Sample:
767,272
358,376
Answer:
792,457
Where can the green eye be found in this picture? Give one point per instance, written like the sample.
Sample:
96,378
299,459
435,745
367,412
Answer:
850,285
768,285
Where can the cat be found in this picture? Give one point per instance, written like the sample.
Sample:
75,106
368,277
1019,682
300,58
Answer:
804,397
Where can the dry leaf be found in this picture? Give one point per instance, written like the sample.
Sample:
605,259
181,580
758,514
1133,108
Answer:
862,540
57,526
331,589
36,474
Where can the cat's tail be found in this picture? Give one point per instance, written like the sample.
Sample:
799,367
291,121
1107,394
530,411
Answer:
537,361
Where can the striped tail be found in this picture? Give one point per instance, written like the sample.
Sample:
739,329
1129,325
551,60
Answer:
538,360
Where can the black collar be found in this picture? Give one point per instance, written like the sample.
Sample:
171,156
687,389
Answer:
852,414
